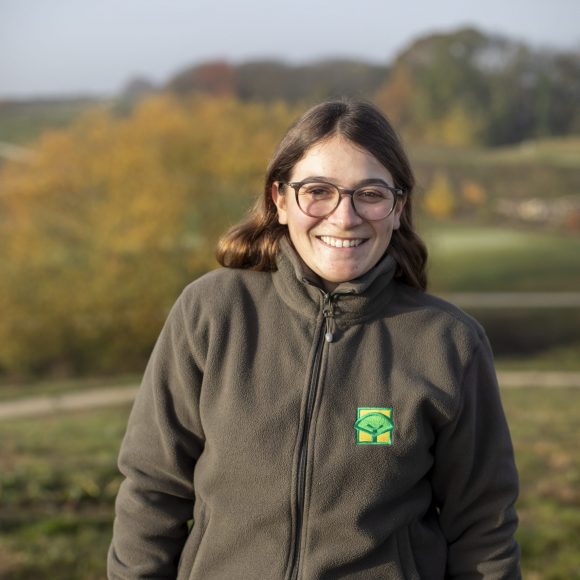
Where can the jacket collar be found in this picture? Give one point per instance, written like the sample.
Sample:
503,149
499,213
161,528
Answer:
357,300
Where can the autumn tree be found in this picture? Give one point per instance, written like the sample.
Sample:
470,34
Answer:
113,218
217,78
439,200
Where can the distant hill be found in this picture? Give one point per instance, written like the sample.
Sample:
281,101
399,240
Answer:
270,80
22,121
463,87
460,88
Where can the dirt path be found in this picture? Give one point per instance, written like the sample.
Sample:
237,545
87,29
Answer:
543,379
112,396
50,405
511,300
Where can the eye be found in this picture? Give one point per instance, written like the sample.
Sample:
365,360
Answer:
318,190
373,194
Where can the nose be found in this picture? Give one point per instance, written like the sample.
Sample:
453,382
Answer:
344,215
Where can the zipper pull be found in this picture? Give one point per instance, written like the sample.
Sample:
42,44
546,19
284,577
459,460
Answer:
328,311
329,337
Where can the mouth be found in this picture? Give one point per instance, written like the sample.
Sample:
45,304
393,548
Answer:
341,242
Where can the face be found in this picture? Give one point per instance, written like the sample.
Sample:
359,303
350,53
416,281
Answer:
342,246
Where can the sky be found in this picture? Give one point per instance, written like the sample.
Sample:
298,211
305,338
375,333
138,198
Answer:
83,47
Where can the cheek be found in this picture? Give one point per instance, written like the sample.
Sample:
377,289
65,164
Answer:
299,223
385,233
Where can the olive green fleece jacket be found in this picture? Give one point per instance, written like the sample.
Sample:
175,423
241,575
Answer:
248,455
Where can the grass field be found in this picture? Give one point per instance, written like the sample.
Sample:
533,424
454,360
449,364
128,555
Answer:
23,121
560,152
58,481
479,258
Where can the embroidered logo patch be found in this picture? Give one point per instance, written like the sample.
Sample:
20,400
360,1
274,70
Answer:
374,426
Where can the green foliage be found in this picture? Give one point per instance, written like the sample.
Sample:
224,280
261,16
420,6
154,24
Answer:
466,87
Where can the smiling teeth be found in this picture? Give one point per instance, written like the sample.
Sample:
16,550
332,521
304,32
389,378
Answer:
340,243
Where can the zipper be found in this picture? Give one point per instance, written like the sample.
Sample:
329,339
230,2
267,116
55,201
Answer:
324,336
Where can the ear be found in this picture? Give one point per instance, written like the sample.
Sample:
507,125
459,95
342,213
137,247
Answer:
398,212
279,198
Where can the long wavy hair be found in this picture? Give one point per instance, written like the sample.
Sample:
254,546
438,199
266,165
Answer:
253,243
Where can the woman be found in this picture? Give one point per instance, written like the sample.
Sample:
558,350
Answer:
309,411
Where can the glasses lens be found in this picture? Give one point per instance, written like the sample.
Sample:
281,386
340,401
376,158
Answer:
374,202
318,199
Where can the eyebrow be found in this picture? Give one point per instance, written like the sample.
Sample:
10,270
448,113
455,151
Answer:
357,185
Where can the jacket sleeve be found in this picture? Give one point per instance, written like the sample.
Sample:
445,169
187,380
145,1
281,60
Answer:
157,458
475,479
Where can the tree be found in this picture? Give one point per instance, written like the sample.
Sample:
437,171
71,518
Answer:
99,236
439,200
466,87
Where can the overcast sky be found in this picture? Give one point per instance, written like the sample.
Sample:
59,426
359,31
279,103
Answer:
66,47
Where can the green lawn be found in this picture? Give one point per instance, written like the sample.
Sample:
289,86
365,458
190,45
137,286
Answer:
545,432
565,358
58,482
22,122
480,258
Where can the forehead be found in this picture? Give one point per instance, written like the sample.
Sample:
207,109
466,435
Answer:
340,160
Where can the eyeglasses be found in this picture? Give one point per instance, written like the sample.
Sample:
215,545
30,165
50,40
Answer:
373,201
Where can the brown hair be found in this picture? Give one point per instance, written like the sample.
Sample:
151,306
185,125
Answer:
253,243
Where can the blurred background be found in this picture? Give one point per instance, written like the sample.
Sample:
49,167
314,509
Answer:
132,134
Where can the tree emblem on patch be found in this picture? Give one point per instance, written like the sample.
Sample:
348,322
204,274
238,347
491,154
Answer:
374,426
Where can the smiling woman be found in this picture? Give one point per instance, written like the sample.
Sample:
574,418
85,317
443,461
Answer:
309,407
345,146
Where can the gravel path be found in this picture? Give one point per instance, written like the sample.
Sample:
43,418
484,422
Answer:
511,300
54,404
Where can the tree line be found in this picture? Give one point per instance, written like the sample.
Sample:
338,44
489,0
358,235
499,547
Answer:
460,88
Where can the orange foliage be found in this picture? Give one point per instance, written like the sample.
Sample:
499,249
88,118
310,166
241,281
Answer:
473,192
440,199
395,97
114,217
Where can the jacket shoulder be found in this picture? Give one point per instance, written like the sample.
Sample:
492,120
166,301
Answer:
222,287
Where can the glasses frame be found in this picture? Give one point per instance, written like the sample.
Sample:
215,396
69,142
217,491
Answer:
296,185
